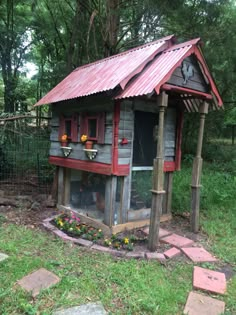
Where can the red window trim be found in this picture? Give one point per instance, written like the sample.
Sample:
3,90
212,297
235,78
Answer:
74,127
97,129
84,126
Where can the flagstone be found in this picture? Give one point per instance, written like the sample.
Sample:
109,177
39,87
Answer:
209,280
172,252
204,305
198,254
3,256
38,280
85,309
177,240
162,232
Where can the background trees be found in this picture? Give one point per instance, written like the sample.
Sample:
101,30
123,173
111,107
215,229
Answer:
58,36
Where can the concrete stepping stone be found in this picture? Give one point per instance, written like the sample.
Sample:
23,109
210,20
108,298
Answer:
38,280
198,254
85,309
209,280
162,232
200,304
177,240
3,256
172,252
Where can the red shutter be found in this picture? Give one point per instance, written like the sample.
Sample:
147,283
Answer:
74,128
61,130
101,128
83,125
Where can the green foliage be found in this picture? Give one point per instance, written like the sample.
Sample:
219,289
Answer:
230,116
71,224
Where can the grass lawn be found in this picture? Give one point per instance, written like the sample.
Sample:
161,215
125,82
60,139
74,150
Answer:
123,286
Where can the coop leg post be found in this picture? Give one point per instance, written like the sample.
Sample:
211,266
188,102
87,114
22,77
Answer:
158,178
124,199
60,195
169,192
110,200
67,187
196,173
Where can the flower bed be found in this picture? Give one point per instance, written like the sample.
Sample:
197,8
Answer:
72,226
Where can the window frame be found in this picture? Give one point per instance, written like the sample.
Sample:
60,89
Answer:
74,127
100,128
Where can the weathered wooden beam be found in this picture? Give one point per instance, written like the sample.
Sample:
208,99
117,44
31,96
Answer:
110,200
67,186
197,171
168,189
60,198
124,199
158,177
136,224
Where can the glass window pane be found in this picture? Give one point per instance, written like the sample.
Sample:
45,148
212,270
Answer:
92,128
68,128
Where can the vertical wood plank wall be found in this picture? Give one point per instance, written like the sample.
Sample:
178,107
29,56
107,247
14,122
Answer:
89,105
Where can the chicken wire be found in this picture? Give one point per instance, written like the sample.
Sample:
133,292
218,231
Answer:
24,167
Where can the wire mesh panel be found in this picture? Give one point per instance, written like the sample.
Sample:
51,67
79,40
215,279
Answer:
24,167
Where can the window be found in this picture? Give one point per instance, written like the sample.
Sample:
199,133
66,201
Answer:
92,128
69,126
93,125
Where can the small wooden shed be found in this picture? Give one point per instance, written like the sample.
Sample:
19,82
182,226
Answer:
124,114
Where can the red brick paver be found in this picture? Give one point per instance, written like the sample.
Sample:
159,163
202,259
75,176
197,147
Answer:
209,280
177,240
38,280
198,304
198,254
172,252
162,232
157,256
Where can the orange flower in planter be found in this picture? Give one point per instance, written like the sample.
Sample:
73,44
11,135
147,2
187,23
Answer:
64,138
84,138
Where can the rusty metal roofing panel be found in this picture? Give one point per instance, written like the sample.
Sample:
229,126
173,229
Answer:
105,74
158,72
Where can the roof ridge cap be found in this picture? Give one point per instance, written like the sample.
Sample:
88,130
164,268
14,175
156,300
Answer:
184,44
166,38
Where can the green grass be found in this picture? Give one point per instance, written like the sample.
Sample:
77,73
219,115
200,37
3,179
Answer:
124,287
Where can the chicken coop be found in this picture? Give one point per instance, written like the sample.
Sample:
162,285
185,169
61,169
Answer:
122,115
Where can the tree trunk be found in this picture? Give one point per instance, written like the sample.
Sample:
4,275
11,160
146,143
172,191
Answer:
112,26
9,94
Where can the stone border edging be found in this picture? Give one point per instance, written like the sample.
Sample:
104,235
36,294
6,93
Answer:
90,245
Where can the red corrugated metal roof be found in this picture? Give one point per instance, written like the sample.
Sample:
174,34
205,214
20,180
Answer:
105,74
139,71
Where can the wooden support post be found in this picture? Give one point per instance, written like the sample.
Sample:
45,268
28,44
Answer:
124,199
60,195
66,186
158,178
197,170
169,191
110,200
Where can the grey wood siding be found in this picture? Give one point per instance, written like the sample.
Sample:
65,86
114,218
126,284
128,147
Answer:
88,105
197,82
170,134
126,129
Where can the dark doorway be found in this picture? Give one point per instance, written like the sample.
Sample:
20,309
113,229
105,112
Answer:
144,149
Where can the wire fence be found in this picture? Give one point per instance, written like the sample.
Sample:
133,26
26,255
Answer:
24,167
